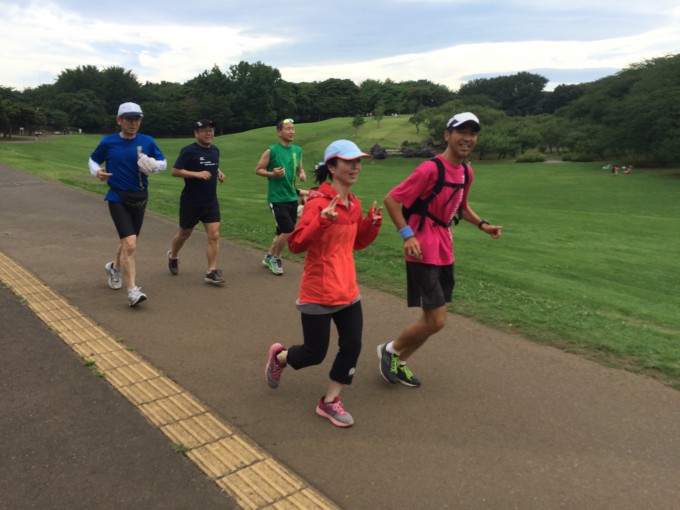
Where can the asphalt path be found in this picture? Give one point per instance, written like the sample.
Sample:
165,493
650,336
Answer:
500,422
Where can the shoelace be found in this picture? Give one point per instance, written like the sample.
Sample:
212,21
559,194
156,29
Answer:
407,371
337,408
394,363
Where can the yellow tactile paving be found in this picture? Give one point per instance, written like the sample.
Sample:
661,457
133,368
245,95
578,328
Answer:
115,359
225,456
197,431
78,336
236,464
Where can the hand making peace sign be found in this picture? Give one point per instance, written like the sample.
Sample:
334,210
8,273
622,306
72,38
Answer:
329,211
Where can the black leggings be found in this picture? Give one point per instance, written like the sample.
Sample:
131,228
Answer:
316,330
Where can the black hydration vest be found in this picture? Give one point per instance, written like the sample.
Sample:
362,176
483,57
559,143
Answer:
420,206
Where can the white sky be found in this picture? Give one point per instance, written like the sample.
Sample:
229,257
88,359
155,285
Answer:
445,41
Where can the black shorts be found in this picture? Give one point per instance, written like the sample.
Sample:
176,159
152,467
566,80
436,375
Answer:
429,286
285,214
128,220
190,215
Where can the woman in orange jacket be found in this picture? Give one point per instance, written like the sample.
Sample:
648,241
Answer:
330,229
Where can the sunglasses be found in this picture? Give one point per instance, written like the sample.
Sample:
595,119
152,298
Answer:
287,121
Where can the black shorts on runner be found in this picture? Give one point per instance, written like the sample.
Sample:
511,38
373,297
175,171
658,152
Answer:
285,214
189,215
429,286
128,220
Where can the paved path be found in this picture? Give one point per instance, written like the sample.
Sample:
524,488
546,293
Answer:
499,422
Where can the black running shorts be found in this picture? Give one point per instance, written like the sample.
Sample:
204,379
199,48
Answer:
429,286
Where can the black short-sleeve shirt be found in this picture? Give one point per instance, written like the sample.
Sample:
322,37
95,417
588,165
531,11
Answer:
195,158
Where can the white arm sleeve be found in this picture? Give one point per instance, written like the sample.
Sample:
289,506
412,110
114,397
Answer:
94,167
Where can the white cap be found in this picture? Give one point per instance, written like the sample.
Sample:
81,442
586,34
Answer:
130,110
461,118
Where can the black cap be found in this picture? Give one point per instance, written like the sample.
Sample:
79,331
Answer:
204,123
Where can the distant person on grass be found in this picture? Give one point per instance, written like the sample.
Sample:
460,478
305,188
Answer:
330,229
130,157
199,165
281,164
428,242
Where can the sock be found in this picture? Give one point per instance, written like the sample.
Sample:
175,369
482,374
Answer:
389,348
276,357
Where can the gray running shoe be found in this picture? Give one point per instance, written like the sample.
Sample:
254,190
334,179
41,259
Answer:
278,266
114,276
406,377
136,296
274,264
173,264
335,412
215,277
389,364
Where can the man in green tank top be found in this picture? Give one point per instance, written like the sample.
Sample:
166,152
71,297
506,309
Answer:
281,164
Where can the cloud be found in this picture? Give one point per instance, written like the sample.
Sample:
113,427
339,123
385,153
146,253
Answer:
458,64
40,38
44,39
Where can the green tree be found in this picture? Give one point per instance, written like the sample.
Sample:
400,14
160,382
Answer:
561,96
86,111
338,98
357,122
254,90
369,94
417,119
519,94
379,112
81,78
118,86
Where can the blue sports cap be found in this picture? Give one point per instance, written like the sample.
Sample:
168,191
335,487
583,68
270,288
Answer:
343,149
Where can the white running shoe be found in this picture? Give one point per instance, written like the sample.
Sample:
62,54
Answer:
114,276
136,296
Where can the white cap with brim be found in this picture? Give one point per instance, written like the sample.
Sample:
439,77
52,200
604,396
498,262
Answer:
130,110
343,149
461,118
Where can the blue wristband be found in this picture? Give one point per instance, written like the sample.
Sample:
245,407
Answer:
406,232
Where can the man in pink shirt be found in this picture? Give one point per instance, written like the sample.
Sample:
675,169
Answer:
428,242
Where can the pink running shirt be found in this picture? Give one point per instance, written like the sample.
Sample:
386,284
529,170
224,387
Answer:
436,242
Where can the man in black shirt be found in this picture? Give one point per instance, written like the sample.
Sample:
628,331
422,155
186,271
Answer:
198,163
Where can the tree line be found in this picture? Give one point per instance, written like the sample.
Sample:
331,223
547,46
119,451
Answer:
632,115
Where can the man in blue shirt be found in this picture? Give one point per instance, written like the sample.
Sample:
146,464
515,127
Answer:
124,160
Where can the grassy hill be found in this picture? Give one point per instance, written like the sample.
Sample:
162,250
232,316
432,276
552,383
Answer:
587,262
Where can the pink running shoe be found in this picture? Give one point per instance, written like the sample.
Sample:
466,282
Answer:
273,369
335,412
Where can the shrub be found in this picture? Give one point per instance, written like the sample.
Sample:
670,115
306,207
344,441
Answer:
531,157
581,157
378,152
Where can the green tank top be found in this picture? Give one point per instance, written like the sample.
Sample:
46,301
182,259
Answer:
283,189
